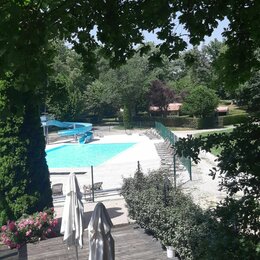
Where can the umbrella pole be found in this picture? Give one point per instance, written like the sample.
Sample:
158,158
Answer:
76,248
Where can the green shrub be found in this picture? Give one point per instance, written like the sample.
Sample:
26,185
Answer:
234,119
175,220
177,224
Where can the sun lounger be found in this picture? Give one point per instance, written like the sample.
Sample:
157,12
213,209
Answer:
97,186
87,189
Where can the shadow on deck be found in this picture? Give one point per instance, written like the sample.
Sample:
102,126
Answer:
131,243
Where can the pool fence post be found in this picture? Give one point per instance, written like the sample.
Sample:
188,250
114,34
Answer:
174,171
92,180
47,134
138,166
75,136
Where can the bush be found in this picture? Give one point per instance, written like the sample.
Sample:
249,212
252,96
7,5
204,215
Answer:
179,224
29,229
175,220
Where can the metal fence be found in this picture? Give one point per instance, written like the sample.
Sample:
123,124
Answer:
169,136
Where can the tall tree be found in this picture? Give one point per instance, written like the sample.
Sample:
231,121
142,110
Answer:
127,84
67,84
24,176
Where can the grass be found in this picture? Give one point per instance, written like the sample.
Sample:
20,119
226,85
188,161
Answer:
180,128
215,150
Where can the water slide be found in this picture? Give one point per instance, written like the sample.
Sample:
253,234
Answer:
76,128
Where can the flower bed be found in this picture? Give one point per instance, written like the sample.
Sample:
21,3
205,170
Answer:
29,229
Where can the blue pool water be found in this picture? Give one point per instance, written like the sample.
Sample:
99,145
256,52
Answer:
83,155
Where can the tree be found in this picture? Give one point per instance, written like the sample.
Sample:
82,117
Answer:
200,67
249,94
127,85
99,101
66,85
24,177
27,27
160,95
201,102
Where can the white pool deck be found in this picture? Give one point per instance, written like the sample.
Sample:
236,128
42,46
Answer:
112,171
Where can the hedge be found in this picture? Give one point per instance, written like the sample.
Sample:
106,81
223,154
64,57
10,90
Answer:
234,119
190,122
183,121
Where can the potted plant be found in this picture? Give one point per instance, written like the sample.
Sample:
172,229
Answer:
170,252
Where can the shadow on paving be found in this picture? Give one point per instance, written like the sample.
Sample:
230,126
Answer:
113,212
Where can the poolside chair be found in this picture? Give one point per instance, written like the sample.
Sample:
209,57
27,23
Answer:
97,186
57,189
87,189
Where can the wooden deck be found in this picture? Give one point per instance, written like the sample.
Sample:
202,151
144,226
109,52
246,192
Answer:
130,243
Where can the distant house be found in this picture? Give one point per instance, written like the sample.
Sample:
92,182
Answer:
173,109
222,110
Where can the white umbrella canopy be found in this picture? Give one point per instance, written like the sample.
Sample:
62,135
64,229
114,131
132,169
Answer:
101,242
72,217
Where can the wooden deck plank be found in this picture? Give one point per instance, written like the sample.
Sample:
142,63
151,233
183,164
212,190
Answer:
130,243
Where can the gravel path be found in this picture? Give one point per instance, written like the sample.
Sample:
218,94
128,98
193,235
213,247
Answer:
203,189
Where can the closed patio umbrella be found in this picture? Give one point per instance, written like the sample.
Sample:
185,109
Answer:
72,224
101,242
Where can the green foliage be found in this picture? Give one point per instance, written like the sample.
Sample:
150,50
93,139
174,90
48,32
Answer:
208,122
234,119
127,85
179,121
200,67
98,100
194,233
238,170
28,27
215,149
24,176
201,102
65,95
127,119
249,94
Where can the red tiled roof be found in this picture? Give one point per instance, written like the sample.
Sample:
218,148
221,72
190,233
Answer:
171,107
222,109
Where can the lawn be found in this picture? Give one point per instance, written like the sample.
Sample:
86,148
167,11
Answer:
215,150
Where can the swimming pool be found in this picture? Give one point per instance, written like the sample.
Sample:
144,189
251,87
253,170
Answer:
83,155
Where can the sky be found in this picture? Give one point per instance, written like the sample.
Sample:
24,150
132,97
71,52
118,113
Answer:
151,37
